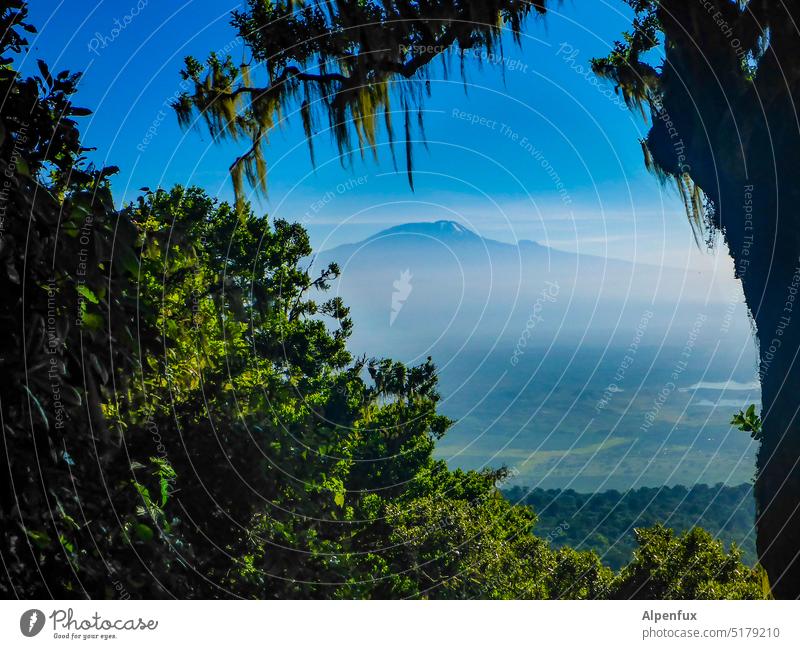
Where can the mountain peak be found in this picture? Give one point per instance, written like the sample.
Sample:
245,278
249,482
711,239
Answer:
436,229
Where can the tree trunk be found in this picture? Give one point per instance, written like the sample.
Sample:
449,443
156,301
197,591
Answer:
778,472
761,228
738,137
772,295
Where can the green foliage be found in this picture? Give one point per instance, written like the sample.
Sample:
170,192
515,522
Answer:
626,65
485,549
748,422
604,521
692,566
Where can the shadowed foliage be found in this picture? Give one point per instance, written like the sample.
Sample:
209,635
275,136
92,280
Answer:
67,261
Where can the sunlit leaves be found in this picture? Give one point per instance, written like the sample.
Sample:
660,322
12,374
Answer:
748,421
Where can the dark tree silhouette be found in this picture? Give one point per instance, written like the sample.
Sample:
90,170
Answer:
68,345
723,105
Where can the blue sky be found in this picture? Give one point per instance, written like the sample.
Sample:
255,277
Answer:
495,154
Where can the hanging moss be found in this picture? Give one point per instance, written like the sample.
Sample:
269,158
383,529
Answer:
349,60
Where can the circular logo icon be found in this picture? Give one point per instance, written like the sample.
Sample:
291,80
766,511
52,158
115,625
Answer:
31,622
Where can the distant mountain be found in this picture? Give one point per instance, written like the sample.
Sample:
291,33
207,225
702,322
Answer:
574,371
419,286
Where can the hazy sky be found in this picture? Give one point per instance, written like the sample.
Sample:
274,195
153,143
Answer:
532,148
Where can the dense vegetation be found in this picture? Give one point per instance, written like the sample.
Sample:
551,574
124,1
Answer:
181,418
605,522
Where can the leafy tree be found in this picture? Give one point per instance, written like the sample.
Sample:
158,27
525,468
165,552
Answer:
67,340
605,521
692,566
292,474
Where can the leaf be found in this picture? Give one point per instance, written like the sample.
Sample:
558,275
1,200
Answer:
65,542
749,422
130,262
86,292
93,321
143,532
338,498
164,484
45,71
38,405
144,492
40,539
